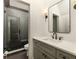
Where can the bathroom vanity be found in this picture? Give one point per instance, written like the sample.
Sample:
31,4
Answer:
49,49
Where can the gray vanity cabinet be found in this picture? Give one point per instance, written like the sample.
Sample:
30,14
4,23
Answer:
45,51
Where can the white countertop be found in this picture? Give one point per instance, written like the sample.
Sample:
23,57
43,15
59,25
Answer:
63,45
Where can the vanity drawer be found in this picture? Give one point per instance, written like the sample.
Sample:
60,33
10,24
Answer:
63,55
46,48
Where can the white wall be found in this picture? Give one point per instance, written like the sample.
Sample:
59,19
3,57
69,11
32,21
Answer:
38,26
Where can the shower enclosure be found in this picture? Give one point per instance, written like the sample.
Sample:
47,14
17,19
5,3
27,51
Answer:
15,28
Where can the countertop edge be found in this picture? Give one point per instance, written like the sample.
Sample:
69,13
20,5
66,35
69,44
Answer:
72,53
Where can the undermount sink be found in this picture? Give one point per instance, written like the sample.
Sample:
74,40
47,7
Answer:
50,39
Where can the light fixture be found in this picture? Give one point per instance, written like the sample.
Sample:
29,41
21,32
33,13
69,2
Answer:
74,4
45,13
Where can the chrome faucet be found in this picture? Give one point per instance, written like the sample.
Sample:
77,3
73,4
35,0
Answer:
54,35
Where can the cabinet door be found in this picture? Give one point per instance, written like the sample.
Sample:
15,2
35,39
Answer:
64,55
38,54
41,53
49,57
47,48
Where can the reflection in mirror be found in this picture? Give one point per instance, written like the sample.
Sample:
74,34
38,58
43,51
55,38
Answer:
59,20
55,22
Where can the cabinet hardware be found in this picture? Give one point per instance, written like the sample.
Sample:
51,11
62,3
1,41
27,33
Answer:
64,57
44,55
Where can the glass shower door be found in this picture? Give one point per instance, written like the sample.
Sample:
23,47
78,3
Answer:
16,29
13,32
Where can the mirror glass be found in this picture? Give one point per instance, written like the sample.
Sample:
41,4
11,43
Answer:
59,17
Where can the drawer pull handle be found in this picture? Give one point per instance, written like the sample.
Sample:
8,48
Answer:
62,56
44,55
